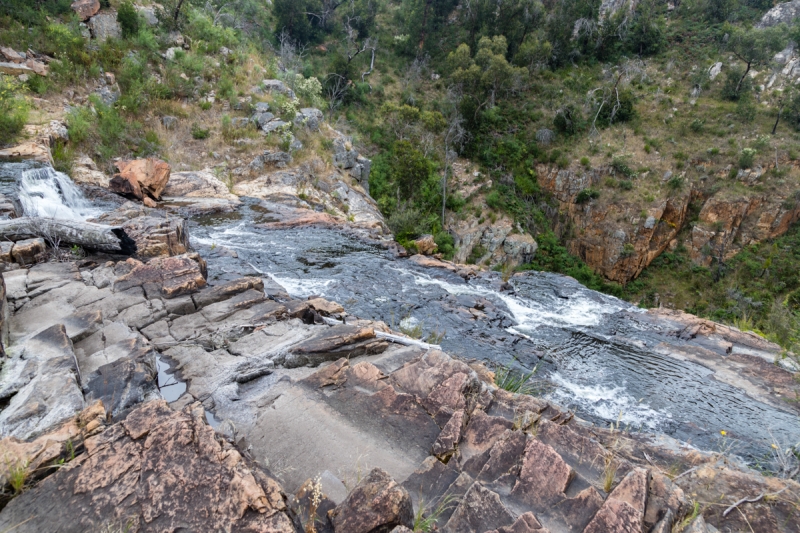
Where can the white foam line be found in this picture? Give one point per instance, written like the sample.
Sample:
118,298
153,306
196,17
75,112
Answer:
576,312
608,403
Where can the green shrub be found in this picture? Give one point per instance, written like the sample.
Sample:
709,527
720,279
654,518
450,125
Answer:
697,125
732,77
626,185
445,243
620,166
493,200
586,195
13,109
128,20
675,183
586,162
746,158
200,133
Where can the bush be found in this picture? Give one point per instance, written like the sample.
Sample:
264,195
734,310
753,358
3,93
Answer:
586,162
128,20
13,109
493,200
568,120
200,133
446,244
620,166
614,112
586,195
746,158
675,183
732,77
626,185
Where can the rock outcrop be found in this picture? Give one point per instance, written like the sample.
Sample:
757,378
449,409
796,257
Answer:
499,242
444,439
783,13
85,9
619,239
158,470
155,232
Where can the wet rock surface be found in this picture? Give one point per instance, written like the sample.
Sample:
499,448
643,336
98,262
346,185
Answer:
513,462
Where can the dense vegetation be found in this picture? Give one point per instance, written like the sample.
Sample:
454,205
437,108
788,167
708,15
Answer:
506,86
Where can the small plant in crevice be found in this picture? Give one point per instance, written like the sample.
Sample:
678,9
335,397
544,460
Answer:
18,476
609,473
425,519
516,381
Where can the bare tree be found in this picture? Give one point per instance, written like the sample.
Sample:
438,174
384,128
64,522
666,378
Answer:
336,88
454,136
609,96
290,56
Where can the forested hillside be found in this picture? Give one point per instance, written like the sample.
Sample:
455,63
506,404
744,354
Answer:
650,148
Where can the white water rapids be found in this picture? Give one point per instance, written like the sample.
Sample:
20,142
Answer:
47,193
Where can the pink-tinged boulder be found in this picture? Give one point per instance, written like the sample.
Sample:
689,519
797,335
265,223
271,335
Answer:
426,245
623,511
376,505
141,177
544,476
86,9
169,276
158,470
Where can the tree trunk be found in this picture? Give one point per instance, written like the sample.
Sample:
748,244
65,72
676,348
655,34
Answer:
85,234
424,24
775,127
444,186
178,11
741,80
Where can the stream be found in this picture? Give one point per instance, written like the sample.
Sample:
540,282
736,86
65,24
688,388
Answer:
591,351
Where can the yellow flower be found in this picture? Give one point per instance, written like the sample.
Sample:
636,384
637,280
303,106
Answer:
723,432
774,446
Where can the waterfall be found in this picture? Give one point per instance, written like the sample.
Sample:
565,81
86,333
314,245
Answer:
44,192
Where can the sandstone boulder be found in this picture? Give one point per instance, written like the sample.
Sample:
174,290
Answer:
426,245
28,251
167,276
376,505
84,170
85,8
141,177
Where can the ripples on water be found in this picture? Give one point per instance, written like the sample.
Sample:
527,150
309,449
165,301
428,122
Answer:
596,355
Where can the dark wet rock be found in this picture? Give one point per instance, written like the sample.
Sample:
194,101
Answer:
333,343
126,382
376,505
158,470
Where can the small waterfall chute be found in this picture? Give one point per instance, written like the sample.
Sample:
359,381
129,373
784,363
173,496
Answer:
47,193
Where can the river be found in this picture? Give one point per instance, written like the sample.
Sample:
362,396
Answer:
593,352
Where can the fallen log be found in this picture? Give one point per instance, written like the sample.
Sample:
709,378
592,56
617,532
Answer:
95,237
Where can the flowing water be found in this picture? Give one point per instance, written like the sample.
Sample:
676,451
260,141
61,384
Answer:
44,192
594,352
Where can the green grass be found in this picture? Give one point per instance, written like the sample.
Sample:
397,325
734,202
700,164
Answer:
516,381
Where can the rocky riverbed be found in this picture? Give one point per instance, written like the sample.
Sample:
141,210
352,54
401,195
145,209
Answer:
227,389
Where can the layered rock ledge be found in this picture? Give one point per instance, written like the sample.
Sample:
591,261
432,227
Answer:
319,419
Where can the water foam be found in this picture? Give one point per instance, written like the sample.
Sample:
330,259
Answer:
579,311
303,288
606,402
46,193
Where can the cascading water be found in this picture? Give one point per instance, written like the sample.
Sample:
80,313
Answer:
47,193
601,354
